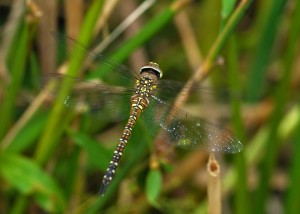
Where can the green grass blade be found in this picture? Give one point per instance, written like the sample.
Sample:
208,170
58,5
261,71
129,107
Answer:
282,91
264,49
17,69
153,186
29,134
292,205
34,181
97,154
57,120
146,33
292,201
241,199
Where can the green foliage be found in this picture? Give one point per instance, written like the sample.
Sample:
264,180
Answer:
29,134
93,149
52,158
26,177
153,186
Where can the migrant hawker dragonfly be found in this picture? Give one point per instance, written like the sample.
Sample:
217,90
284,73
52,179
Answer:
146,95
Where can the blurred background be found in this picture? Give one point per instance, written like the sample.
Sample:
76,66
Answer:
52,158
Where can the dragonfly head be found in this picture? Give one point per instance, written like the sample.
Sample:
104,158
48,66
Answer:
152,67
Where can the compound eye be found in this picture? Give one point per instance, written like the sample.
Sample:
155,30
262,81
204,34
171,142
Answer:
153,67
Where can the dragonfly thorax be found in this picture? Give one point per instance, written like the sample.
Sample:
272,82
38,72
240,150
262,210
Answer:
146,84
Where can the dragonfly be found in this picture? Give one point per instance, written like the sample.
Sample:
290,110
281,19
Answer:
146,96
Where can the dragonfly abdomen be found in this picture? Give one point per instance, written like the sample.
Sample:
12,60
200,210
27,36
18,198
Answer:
139,101
138,104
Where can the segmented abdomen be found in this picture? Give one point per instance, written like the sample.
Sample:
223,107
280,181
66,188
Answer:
138,104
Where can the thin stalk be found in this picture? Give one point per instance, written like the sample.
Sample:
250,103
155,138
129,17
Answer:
74,12
223,36
273,143
184,170
241,200
255,151
214,191
292,205
188,39
292,200
202,71
107,11
16,67
17,58
123,26
46,44
146,33
263,52
205,69
58,117
57,120
26,116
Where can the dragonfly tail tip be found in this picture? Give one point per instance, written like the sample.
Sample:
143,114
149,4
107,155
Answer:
102,190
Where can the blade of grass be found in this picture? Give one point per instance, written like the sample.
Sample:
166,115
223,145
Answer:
227,8
263,51
27,116
253,152
92,148
54,129
59,117
146,33
292,199
124,25
215,49
292,205
153,186
16,66
219,43
28,134
272,143
34,180
241,200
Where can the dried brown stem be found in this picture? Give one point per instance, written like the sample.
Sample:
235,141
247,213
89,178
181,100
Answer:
179,4
214,186
74,10
188,39
139,56
26,116
108,9
46,44
184,170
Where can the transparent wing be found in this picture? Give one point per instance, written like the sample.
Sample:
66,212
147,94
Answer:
99,66
180,129
101,100
168,90
187,131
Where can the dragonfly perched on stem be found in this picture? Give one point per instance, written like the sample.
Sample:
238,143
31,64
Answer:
148,96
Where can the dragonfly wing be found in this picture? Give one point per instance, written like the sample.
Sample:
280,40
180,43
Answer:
194,133
112,72
155,115
102,101
97,65
168,90
187,131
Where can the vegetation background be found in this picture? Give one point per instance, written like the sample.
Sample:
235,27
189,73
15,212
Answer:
52,160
